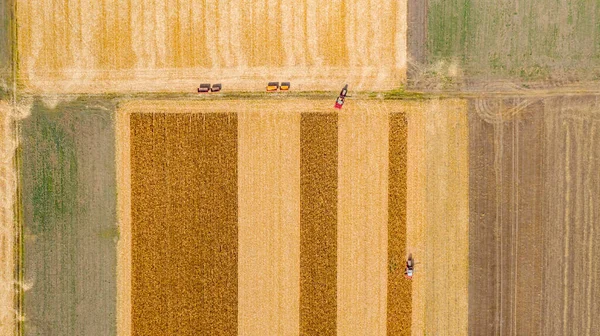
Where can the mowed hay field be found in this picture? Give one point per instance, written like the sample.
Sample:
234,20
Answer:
299,237
492,45
124,46
534,241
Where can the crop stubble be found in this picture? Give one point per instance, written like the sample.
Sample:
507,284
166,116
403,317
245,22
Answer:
124,46
437,215
534,246
269,222
362,219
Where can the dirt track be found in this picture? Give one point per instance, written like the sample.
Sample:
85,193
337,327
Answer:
533,242
8,185
437,215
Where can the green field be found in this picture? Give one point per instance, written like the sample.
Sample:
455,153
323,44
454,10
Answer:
519,40
70,232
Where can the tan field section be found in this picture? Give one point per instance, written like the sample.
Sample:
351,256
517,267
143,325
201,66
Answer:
168,45
438,216
7,199
362,220
318,205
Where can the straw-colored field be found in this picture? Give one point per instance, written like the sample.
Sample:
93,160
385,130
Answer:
438,216
123,46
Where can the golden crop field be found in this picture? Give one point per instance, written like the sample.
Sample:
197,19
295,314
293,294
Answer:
322,217
122,46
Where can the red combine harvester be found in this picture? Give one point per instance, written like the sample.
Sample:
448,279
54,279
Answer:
340,100
409,270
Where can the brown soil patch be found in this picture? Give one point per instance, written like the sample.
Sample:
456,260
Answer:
534,187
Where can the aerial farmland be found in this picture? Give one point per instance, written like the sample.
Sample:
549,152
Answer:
192,168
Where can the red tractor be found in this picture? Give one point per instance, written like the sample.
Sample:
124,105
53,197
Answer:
340,100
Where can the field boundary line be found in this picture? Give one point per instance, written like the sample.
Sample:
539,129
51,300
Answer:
123,162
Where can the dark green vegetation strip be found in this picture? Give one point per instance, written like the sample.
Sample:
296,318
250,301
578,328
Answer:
184,224
399,296
318,223
69,209
527,40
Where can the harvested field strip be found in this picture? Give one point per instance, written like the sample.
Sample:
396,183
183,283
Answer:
362,220
483,267
318,223
131,45
399,289
7,229
447,218
184,224
68,183
269,222
437,215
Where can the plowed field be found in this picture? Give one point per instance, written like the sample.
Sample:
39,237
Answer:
534,189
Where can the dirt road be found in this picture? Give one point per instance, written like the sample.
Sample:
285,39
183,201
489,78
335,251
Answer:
533,244
8,187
